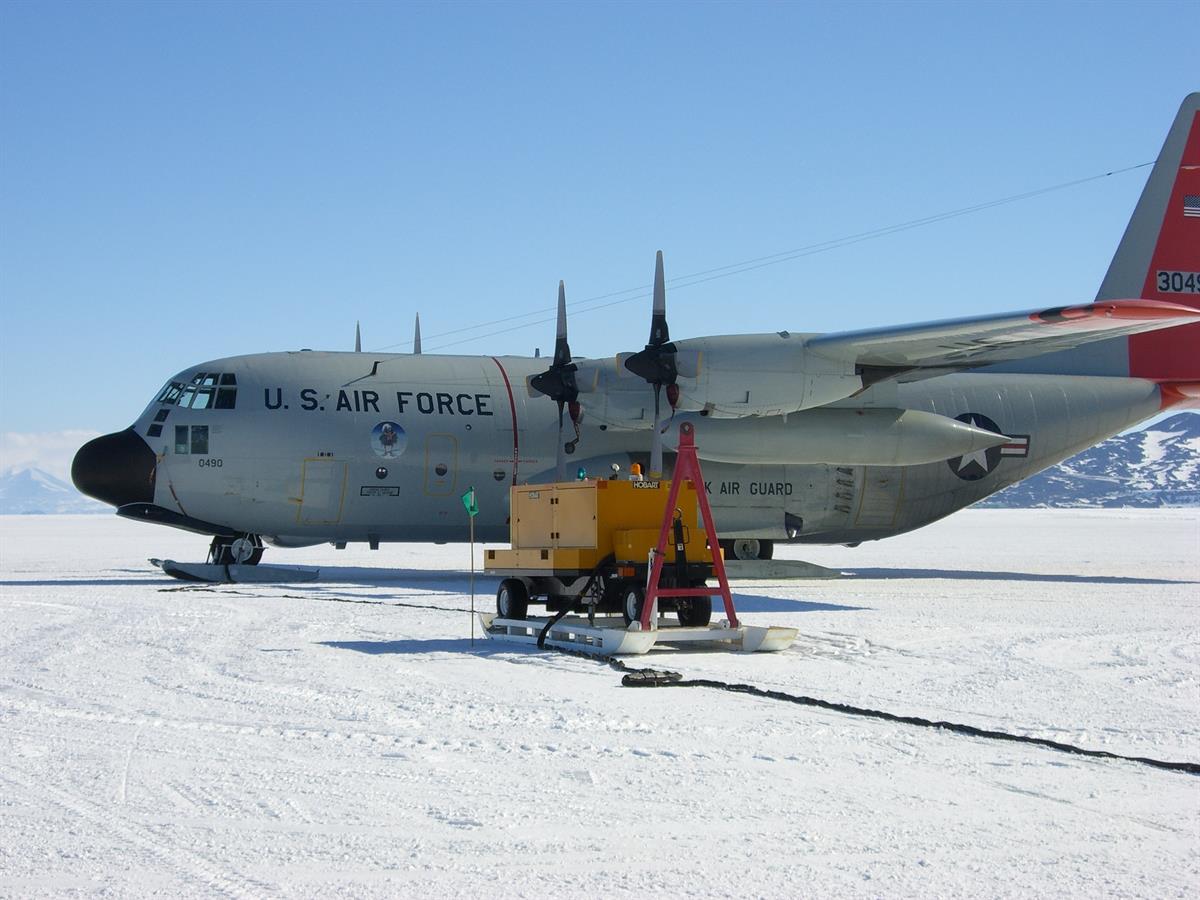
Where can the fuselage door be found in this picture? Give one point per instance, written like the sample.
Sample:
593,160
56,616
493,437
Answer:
322,491
882,493
441,464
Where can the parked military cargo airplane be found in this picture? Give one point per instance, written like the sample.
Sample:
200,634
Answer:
825,438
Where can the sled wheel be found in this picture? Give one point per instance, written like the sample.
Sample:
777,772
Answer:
694,612
512,599
632,599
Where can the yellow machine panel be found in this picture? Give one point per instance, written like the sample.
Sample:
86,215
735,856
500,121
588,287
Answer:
573,525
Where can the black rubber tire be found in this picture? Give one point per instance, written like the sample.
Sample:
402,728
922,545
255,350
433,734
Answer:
256,554
633,598
512,599
694,612
220,551
748,548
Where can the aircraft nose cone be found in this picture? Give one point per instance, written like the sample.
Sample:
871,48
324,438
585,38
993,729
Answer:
116,468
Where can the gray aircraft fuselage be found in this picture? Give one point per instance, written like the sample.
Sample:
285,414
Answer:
310,447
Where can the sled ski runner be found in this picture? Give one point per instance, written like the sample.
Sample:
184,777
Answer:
610,636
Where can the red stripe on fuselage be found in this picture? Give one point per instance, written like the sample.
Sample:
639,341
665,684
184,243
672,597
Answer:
512,408
1174,354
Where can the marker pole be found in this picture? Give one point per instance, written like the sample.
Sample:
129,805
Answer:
472,508
472,521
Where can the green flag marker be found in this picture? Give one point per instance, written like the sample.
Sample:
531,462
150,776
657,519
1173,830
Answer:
468,500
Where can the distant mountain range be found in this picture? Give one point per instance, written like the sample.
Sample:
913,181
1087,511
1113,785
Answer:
34,492
1159,466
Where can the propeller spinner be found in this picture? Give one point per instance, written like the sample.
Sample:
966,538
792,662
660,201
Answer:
558,383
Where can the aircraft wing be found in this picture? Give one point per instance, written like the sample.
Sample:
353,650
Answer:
957,344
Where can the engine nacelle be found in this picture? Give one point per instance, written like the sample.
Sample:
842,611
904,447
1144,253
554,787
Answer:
860,437
723,377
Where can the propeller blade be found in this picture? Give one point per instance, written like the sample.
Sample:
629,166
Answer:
656,363
658,319
562,350
558,383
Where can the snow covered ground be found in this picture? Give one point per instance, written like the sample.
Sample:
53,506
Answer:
158,738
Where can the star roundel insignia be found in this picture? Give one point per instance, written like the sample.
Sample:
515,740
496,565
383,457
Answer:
973,466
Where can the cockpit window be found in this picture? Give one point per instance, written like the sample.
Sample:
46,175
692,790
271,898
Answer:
203,399
202,392
170,394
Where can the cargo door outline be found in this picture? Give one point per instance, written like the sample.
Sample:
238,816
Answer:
322,491
441,450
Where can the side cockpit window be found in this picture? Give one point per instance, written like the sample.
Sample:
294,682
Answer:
193,439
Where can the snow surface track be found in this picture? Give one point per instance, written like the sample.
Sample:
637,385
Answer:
252,741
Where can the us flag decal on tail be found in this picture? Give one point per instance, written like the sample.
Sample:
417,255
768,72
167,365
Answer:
1018,445
1191,205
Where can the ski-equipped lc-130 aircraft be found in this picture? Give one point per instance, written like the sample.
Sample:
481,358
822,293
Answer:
824,438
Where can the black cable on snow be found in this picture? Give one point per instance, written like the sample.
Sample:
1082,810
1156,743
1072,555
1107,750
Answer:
660,678
541,641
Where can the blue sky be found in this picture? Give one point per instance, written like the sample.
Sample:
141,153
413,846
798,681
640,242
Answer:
180,182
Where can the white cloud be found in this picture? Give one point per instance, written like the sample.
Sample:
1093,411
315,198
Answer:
50,451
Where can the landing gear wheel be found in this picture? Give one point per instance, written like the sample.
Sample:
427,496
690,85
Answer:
632,600
512,599
749,548
694,612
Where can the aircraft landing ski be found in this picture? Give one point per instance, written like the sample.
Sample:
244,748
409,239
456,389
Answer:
234,573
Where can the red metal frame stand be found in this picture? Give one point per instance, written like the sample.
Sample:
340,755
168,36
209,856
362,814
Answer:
687,466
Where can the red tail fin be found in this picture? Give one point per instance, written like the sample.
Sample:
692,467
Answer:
1159,256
